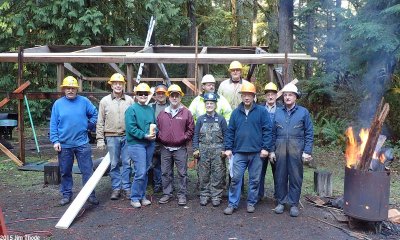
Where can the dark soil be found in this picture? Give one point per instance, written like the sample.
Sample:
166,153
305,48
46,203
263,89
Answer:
30,207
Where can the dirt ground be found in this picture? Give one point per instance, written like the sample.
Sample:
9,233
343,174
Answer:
30,207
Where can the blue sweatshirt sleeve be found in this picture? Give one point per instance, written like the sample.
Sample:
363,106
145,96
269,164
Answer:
91,113
266,131
54,124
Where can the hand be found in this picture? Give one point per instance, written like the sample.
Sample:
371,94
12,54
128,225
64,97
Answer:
196,154
223,154
264,153
57,147
272,157
228,153
101,145
150,137
306,157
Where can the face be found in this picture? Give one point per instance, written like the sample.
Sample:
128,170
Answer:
117,87
161,97
270,97
175,99
236,73
247,99
210,106
142,97
209,87
289,98
70,92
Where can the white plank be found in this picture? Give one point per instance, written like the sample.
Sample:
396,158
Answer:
83,195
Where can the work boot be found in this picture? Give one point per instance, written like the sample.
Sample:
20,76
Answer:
145,202
216,202
164,199
203,201
181,200
65,200
93,200
294,211
279,209
127,194
115,194
250,208
136,204
229,210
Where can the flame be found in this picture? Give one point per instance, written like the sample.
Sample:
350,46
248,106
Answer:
354,150
382,158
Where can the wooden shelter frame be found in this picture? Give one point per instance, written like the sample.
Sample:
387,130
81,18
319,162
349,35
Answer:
65,56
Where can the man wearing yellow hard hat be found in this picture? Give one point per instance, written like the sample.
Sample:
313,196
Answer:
176,129
230,88
71,118
110,131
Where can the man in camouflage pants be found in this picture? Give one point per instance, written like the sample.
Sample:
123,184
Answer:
208,143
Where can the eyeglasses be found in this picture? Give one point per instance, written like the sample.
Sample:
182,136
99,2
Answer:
142,93
236,70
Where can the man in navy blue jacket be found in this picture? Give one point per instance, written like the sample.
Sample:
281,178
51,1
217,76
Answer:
293,131
249,139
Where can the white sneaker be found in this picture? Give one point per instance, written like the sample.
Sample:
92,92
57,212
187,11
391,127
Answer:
135,204
145,202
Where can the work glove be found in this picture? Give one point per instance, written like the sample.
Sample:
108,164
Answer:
272,157
196,154
101,145
222,154
264,153
150,137
306,157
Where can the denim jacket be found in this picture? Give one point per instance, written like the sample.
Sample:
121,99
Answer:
294,126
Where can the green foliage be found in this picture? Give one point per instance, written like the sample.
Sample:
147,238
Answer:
329,130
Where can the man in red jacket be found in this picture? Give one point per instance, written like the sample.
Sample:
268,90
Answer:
175,130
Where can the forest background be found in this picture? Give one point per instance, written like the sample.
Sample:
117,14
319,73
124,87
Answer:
357,43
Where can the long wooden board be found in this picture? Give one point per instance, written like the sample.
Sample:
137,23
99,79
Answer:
83,195
11,155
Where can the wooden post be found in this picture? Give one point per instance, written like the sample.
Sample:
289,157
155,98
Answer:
129,77
323,183
21,128
60,75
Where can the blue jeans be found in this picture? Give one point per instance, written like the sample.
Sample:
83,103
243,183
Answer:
118,149
83,155
241,161
141,155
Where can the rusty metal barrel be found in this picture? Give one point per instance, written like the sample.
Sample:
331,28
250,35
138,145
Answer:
366,194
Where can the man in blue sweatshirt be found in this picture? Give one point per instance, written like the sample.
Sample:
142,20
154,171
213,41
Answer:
249,139
71,118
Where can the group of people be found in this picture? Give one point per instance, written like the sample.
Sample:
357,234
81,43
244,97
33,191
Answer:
226,127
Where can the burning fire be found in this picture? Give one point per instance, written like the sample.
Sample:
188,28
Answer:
354,150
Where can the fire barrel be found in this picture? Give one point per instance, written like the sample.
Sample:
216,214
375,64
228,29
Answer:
366,194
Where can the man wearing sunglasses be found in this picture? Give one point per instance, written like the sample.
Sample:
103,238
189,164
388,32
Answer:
110,130
176,129
138,119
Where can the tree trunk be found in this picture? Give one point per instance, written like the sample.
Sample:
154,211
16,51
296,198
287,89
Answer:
192,32
254,28
310,21
285,28
235,22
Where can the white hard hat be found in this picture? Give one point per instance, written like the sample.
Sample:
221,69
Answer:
290,87
208,78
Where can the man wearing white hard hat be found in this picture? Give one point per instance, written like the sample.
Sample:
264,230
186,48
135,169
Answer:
294,136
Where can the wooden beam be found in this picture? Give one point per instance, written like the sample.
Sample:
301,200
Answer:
191,86
11,155
129,78
60,75
148,49
91,49
22,87
39,49
117,69
84,194
21,107
73,70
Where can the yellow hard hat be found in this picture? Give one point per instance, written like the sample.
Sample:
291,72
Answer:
116,77
70,81
142,87
248,88
235,65
175,88
271,87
